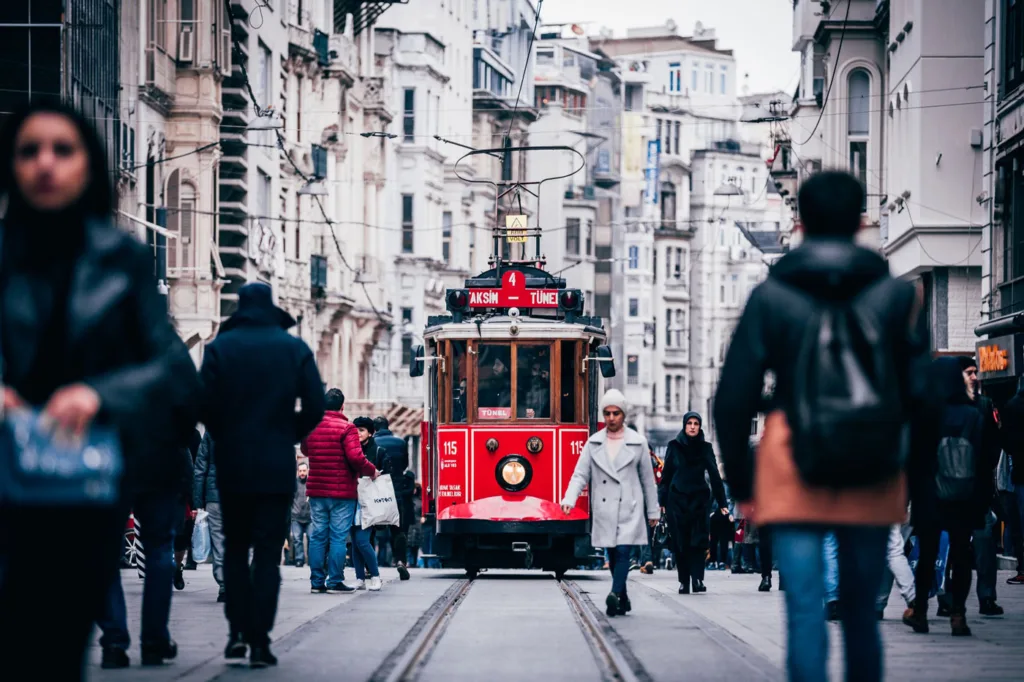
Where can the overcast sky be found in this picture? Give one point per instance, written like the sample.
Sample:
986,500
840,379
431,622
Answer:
758,31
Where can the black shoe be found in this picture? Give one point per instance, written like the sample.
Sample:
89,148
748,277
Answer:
624,605
943,611
236,647
318,590
340,588
191,565
221,598
403,572
156,654
684,588
300,564
114,658
260,657
611,603
989,607
698,586
832,611
179,580
766,584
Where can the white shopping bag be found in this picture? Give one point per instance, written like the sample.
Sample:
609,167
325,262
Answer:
201,537
377,501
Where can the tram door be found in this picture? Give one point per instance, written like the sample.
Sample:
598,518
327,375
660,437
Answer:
429,474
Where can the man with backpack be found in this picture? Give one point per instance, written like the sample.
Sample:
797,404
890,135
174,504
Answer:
846,344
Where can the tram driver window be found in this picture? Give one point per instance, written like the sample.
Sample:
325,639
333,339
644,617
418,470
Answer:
459,385
494,381
568,382
533,383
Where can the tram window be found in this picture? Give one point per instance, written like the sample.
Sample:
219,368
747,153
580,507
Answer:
458,374
568,372
533,383
494,381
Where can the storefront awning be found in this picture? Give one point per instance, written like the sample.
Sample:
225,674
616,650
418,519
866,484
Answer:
1007,324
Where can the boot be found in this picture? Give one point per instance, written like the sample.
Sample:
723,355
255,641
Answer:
260,657
958,624
156,654
766,584
989,607
624,605
611,603
698,586
114,658
917,617
179,579
684,588
236,647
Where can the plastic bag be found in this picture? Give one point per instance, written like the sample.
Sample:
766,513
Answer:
377,501
201,537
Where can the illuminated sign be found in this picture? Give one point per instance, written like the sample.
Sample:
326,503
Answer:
513,294
997,357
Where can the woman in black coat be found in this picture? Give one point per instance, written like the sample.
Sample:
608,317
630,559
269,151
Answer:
85,338
960,517
684,494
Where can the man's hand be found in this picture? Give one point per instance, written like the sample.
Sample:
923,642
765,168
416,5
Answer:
12,399
73,408
566,509
747,509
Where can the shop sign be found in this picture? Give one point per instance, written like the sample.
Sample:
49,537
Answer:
997,358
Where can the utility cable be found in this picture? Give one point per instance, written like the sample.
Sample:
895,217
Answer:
835,72
522,78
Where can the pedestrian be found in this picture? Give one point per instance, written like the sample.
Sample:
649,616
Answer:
684,495
1009,514
1012,433
615,468
415,536
951,491
300,516
822,464
898,569
206,496
262,395
723,529
336,461
394,453
85,338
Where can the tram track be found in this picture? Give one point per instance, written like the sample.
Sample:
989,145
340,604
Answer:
405,663
614,658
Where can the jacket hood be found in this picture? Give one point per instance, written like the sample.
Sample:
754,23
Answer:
948,381
830,268
256,308
682,438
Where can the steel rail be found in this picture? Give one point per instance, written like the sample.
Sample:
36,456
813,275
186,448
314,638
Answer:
614,665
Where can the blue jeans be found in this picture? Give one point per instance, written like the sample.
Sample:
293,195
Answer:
298,531
159,516
331,519
618,563
801,554
830,553
363,556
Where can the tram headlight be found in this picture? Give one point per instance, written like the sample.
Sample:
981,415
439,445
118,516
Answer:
534,445
514,473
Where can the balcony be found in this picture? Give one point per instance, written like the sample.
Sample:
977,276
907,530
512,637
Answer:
376,95
667,102
343,58
161,75
300,42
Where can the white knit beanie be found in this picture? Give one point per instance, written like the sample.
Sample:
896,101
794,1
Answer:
614,397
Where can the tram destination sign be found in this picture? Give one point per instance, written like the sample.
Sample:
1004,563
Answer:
513,294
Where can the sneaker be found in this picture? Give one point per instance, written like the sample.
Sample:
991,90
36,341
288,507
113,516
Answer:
360,584
374,584
634,566
318,590
340,588
156,654
179,580
611,603
684,588
236,647
722,566
300,564
698,587
260,657
989,607
191,565
114,658
1016,580
403,572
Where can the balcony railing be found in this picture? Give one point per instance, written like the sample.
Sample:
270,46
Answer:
160,70
342,56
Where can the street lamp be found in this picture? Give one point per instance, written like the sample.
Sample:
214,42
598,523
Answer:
728,190
267,119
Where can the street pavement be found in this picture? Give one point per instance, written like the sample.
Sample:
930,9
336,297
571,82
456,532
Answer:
516,625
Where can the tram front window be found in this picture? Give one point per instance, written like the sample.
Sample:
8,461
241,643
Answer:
494,381
533,385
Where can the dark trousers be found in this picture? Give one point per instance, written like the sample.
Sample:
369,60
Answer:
960,564
259,522
618,564
765,539
160,515
1011,516
689,558
46,617
720,547
985,558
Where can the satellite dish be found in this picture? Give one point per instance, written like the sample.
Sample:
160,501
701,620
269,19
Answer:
577,29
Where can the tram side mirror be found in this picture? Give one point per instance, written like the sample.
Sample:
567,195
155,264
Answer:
605,361
416,362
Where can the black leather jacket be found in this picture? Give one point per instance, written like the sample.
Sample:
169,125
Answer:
768,338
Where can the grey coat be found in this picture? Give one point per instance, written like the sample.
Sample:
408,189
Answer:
619,492
204,484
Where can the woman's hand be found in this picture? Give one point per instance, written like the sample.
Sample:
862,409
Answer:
725,511
73,408
566,509
12,399
653,523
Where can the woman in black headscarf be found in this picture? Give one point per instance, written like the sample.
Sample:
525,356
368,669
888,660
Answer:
85,338
684,494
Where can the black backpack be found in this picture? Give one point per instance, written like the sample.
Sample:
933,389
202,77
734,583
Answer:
849,418
956,472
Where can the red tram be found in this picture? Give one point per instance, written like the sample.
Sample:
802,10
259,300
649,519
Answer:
513,385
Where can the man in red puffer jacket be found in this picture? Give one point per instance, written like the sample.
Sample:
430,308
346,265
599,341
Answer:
336,462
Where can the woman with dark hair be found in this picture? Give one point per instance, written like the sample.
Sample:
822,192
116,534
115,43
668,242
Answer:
84,339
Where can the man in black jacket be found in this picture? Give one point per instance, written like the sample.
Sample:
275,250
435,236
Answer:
205,496
262,395
394,460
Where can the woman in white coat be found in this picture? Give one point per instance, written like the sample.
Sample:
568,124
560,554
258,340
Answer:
616,469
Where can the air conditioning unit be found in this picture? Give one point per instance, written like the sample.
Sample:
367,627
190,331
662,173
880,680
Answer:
738,253
186,45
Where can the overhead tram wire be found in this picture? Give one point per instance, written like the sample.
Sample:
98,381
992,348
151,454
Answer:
522,80
835,72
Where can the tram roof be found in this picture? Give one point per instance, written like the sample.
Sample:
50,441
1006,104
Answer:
498,327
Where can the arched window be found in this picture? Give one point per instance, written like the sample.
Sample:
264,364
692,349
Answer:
859,122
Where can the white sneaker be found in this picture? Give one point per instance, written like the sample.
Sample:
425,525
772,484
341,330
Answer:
374,584
360,584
